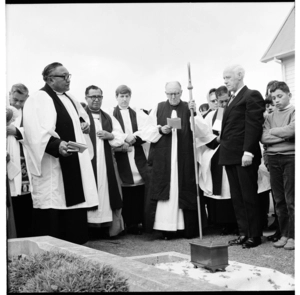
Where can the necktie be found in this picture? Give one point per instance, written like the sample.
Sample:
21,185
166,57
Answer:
231,99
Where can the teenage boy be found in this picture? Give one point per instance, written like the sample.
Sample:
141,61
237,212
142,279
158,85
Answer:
279,136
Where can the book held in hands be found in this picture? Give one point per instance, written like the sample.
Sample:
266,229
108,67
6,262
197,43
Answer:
76,147
174,123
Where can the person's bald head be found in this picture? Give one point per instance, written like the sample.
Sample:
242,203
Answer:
234,77
173,92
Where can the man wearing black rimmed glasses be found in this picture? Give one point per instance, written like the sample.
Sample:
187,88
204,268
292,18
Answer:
105,133
63,183
172,196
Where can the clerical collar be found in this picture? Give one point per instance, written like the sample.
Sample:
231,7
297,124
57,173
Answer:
59,93
93,111
122,109
174,106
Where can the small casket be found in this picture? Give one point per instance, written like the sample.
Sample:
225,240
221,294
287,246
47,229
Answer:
209,255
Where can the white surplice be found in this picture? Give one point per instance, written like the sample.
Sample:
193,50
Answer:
205,155
104,212
13,148
141,119
168,216
39,125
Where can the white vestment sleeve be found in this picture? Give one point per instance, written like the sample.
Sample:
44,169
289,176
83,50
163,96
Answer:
203,132
119,135
39,119
141,119
150,132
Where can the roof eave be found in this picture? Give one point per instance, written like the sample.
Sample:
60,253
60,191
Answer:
264,59
278,56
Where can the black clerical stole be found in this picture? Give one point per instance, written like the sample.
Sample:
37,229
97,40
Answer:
70,166
114,194
139,156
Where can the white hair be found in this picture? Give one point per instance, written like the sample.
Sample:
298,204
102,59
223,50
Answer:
173,82
236,69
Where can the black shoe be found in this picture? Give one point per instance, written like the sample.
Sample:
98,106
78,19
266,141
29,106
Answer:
275,237
167,235
252,242
239,241
134,230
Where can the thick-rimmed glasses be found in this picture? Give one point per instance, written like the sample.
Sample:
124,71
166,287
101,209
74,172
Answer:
171,94
66,77
94,97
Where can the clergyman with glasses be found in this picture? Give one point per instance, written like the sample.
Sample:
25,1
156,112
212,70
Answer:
63,182
105,133
172,196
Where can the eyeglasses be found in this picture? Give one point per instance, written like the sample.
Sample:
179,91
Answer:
66,77
94,97
175,94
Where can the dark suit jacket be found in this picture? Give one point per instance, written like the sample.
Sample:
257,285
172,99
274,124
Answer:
242,127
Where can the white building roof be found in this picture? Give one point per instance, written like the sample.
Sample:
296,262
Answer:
283,44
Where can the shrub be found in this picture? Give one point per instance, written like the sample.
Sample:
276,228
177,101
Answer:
60,272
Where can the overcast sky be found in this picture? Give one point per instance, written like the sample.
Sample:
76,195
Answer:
142,45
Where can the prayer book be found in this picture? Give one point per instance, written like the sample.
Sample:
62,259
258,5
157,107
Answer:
218,122
174,122
76,147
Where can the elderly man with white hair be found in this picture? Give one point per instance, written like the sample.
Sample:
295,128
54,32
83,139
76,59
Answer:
240,153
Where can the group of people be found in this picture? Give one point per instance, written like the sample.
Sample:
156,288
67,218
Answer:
137,172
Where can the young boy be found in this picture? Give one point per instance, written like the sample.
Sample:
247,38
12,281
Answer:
279,136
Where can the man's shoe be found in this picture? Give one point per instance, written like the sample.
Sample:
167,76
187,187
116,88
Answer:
134,230
290,245
281,243
252,242
239,241
275,237
167,235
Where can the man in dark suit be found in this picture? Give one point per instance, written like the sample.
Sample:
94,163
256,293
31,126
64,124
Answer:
240,154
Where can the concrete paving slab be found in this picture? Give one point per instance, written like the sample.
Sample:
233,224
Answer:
238,276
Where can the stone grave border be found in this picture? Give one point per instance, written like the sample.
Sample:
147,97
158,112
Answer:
141,275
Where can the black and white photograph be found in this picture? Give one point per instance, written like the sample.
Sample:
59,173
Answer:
150,147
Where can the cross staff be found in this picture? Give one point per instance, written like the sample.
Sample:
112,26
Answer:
190,87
